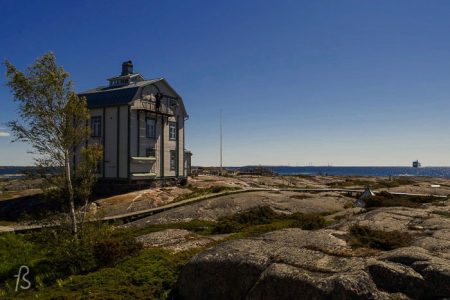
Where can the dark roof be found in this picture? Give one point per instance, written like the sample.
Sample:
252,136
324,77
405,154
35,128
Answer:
108,96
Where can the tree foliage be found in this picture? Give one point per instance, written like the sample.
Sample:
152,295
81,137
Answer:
54,121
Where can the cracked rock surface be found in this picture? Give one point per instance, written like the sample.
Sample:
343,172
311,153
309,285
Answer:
298,264
177,239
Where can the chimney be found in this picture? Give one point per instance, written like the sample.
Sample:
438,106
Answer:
127,68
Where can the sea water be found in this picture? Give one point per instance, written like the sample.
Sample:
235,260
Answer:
364,171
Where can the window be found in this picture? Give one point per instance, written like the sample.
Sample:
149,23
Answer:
150,128
96,126
173,160
172,131
150,152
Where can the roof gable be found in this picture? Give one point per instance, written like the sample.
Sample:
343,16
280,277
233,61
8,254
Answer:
124,95
112,96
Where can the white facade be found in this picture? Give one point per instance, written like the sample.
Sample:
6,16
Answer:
141,128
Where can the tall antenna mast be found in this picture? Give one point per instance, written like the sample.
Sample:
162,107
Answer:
221,142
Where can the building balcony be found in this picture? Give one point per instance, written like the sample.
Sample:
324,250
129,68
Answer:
165,106
143,159
145,175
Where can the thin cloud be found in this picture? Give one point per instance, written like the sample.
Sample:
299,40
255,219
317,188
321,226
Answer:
3,133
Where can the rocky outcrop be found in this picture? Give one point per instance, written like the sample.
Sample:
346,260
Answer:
283,202
177,239
293,264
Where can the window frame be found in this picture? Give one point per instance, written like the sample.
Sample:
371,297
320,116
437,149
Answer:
147,132
173,160
174,124
95,120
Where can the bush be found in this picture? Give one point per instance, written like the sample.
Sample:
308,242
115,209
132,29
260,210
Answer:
110,251
227,226
364,236
15,251
255,216
308,221
385,199
150,275
54,253
262,215
183,181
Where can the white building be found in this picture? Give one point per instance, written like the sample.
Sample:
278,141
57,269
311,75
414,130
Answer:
140,124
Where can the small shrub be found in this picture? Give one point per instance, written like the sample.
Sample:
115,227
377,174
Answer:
258,215
227,226
300,197
254,216
110,251
217,189
65,260
385,199
15,251
198,192
445,214
308,221
54,253
149,275
183,182
263,219
348,204
364,236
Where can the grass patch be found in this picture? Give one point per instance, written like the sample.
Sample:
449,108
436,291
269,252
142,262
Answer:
201,227
198,192
394,182
252,222
7,223
300,197
445,214
385,199
8,195
263,219
16,250
364,236
106,263
54,254
150,275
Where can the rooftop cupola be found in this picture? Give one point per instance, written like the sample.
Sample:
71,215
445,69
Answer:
127,76
127,68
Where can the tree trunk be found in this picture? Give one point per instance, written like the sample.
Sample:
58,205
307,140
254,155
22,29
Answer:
73,217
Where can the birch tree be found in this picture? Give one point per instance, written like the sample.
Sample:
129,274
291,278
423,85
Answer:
54,121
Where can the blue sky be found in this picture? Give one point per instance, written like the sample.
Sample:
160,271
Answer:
299,82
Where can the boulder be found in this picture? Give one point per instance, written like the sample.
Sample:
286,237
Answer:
294,263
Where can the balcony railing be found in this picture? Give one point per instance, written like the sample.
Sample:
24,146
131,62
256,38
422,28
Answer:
165,106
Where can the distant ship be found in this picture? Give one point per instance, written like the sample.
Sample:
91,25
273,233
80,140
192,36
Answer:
416,164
